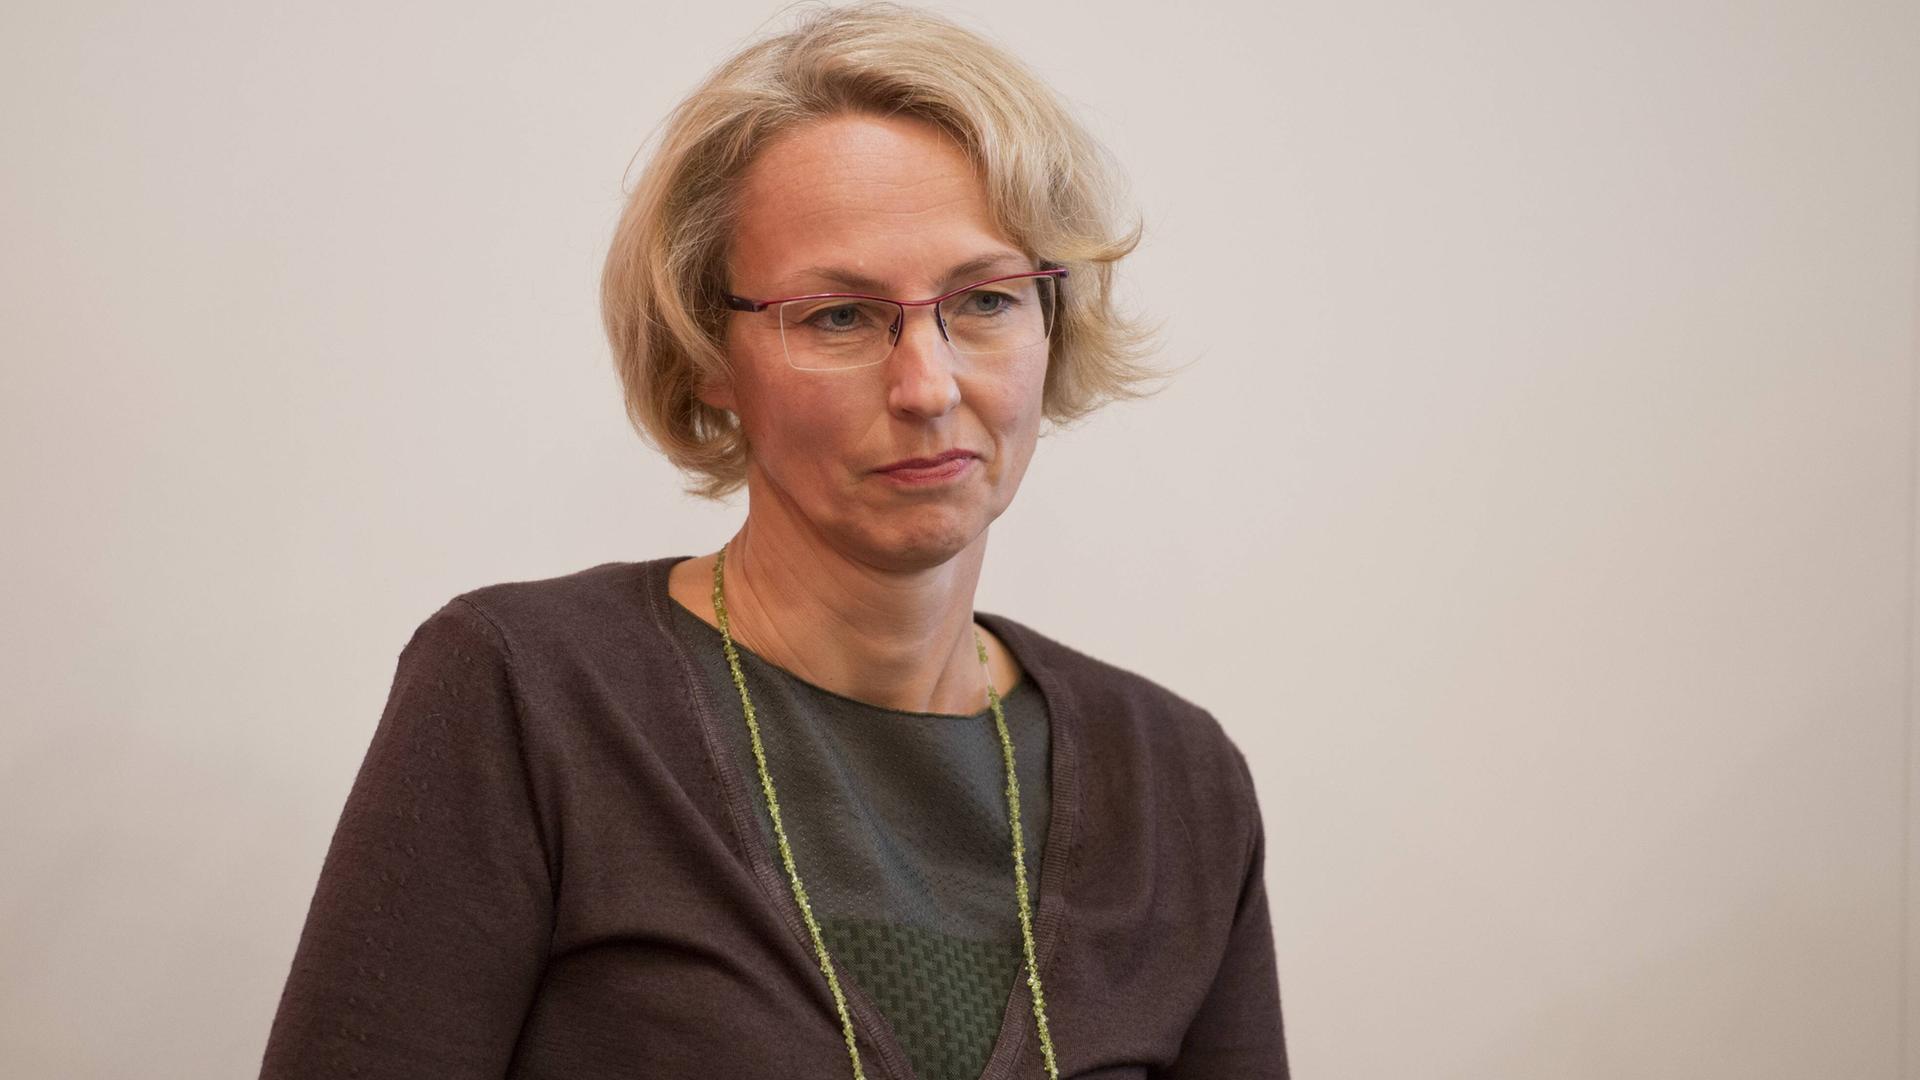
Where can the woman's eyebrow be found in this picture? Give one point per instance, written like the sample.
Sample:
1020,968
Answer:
964,272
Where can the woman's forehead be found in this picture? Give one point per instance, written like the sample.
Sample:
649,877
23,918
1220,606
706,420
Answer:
853,202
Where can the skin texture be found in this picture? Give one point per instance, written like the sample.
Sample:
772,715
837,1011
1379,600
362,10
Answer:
837,574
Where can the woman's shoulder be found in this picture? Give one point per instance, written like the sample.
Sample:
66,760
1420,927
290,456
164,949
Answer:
1120,702
1140,735
609,606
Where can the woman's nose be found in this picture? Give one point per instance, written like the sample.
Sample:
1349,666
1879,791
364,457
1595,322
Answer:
920,368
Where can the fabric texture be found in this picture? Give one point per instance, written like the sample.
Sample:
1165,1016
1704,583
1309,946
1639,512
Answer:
555,861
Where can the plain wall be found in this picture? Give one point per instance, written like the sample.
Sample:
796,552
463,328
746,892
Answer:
1538,512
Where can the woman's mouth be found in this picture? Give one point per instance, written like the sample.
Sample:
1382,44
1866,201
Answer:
926,472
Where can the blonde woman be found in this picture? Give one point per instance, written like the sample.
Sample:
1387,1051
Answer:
794,808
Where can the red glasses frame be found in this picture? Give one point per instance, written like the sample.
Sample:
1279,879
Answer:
741,303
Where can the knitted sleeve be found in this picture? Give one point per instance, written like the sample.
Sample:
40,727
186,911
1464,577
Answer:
432,916
1238,1033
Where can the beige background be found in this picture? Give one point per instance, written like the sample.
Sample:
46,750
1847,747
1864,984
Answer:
1539,515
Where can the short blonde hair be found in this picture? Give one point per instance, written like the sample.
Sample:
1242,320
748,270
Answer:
1051,188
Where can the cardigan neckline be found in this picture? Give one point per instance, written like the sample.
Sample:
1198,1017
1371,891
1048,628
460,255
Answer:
985,712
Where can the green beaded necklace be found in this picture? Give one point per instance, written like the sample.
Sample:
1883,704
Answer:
793,876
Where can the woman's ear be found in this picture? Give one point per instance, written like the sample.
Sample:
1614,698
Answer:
717,391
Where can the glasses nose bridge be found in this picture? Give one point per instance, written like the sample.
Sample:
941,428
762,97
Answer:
900,324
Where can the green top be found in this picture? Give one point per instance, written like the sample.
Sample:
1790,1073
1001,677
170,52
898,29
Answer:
898,825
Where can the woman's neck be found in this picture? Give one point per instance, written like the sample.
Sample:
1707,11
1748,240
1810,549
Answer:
897,637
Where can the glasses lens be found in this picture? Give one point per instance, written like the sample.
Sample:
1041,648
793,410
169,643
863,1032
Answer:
831,333
1001,317
837,332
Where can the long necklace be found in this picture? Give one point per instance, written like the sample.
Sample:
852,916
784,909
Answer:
793,876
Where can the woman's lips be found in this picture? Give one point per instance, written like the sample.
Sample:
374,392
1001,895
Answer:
940,458
931,474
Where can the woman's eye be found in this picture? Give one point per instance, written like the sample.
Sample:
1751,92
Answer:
845,317
987,303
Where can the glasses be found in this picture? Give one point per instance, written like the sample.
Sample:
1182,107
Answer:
841,331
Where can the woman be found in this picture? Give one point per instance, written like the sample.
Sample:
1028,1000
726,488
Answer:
794,807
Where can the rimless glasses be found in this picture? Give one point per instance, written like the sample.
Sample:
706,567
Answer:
841,331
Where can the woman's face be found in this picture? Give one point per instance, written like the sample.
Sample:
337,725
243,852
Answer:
891,200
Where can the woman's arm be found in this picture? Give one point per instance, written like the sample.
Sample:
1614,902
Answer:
1238,1033
432,917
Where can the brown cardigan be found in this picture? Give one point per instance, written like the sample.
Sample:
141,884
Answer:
548,866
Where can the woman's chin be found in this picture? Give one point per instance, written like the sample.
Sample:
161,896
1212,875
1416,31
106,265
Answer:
926,542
